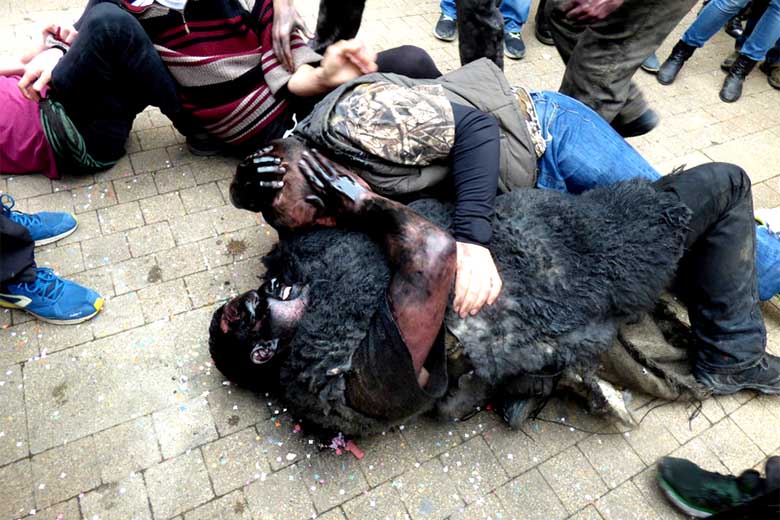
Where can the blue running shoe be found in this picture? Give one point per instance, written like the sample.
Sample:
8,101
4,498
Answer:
651,64
45,227
50,298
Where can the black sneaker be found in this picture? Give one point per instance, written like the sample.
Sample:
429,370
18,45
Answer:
764,378
445,28
514,47
700,493
204,145
639,126
542,29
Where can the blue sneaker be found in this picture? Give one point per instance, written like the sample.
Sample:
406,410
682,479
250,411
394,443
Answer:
50,298
651,64
45,227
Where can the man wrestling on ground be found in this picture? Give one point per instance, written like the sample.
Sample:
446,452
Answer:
352,333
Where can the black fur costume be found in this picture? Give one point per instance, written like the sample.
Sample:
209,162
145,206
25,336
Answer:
573,267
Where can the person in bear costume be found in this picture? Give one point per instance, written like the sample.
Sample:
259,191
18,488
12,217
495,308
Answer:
351,320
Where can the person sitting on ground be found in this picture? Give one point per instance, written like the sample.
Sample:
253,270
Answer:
37,290
710,20
220,89
466,136
352,334
706,494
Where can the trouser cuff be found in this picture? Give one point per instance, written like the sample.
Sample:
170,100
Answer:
730,368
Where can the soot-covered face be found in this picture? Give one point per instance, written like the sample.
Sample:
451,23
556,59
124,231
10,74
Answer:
249,335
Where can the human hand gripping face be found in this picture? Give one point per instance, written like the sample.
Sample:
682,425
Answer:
259,178
335,193
477,281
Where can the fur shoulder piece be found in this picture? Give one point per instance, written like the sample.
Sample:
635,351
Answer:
348,276
573,267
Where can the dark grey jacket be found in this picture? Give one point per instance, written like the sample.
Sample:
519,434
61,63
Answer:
481,85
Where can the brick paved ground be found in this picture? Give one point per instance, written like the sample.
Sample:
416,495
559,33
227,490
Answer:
123,417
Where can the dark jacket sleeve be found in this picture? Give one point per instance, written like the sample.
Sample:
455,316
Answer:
475,171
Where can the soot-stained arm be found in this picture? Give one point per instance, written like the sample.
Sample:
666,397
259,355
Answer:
422,256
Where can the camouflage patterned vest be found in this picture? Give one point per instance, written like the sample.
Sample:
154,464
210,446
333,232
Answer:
480,84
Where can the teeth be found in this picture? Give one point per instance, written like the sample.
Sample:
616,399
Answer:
286,292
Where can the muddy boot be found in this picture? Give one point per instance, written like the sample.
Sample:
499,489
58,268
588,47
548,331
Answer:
674,63
729,61
772,72
732,85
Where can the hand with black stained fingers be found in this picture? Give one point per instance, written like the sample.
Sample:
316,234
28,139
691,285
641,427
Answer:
286,21
259,178
267,169
334,191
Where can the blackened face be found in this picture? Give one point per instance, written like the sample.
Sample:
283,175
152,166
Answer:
253,330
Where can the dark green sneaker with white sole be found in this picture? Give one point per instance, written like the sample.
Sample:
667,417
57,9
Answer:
701,493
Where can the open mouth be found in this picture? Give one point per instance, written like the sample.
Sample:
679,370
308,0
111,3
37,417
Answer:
280,291
264,352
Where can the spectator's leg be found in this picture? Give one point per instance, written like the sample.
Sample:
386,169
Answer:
337,20
765,34
111,73
716,277
711,20
481,29
608,53
515,14
17,259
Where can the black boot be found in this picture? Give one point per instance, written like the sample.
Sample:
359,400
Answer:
542,29
734,27
671,67
732,85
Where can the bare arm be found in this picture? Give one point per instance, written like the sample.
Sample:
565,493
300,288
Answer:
11,67
422,256
343,61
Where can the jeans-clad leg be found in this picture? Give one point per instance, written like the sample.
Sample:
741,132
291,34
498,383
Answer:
448,8
583,151
716,278
515,13
765,35
711,20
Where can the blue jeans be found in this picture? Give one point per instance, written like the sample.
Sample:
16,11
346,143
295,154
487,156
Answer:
515,12
773,55
717,13
583,152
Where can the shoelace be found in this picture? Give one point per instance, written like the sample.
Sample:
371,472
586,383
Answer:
445,17
46,285
7,202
